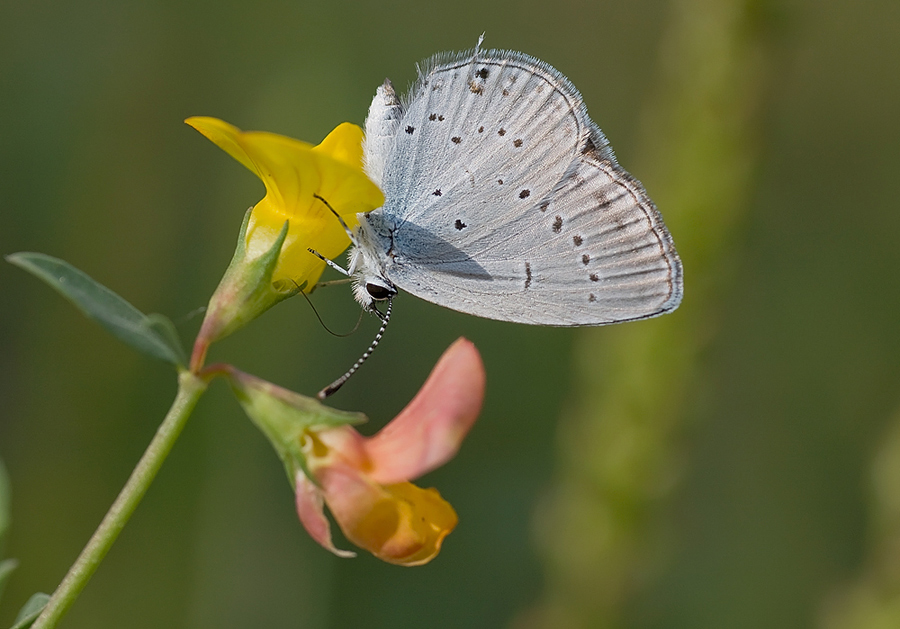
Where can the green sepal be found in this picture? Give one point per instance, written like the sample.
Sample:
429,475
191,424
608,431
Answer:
284,416
246,290
31,610
144,333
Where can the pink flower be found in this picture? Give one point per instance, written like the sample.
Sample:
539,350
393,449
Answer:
365,480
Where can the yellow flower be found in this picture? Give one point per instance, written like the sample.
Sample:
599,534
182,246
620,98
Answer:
294,171
272,260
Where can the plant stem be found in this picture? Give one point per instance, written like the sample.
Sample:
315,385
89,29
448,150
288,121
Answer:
190,388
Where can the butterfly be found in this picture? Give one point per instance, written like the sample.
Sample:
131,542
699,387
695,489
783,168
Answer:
504,200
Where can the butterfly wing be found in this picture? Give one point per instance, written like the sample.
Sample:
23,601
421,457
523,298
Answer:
504,200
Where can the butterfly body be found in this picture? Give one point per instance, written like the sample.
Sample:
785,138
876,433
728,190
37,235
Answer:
504,200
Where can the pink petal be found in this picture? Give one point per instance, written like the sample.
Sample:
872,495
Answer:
312,515
341,444
428,432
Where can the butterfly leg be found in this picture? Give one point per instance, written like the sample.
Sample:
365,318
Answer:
345,280
381,315
333,265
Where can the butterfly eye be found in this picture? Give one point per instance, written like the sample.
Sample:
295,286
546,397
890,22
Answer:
379,292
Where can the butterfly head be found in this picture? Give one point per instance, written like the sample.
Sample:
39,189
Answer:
368,289
370,285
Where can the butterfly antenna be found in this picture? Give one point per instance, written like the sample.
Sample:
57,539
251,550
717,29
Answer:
337,384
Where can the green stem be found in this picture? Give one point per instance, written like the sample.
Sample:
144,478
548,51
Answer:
190,388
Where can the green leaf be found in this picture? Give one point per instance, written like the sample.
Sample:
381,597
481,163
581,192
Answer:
163,327
32,609
153,335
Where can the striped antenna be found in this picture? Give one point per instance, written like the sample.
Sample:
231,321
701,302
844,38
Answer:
337,384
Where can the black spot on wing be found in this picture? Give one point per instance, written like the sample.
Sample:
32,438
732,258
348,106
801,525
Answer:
410,129
437,192
557,225
577,240
527,275
604,200
525,194
456,139
459,225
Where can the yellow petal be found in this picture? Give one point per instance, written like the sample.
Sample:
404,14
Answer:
293,172
343,144
286,166
401,524
223,135
344,189
426,519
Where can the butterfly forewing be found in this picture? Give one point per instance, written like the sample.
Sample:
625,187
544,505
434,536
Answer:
486,134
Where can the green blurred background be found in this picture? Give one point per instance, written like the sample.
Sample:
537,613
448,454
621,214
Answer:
729,465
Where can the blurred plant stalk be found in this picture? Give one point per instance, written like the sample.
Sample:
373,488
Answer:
602,531
873,600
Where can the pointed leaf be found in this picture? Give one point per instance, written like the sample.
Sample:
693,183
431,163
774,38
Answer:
32,609
97,302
